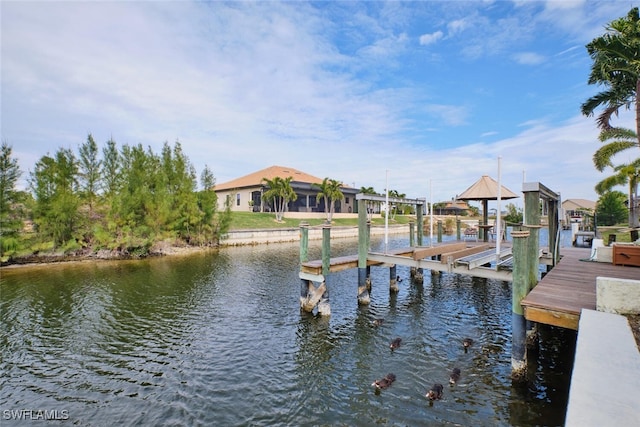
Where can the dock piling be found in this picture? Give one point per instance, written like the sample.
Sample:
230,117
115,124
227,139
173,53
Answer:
418,274
520,288
364,282
304,241
304,257
393,281
412,240
323,305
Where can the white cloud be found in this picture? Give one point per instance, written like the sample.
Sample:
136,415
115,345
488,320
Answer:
528,58
457,26
427,39
563,5
247,85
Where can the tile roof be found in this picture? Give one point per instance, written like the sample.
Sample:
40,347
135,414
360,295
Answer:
255,179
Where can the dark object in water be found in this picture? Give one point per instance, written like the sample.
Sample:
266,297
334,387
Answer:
455,376
466,343
378,322
395,343
384,382
398,279
435,393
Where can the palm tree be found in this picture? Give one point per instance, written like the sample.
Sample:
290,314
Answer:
616,65
399,207
624,174
280,193
330,191
370,204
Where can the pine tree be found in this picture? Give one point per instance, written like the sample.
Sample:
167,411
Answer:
10,223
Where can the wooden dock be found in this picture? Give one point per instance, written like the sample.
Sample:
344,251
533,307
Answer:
468,258
557,299
569,287
346,262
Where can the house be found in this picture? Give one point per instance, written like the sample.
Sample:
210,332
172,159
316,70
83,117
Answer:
575,209
454,207
246,192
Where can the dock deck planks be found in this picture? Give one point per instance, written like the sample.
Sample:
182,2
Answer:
570,286
346,262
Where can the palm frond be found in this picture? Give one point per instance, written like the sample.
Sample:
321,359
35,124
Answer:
602,157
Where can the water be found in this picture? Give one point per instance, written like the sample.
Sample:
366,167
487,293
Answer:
218,338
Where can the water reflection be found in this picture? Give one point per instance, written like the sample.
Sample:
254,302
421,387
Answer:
218,338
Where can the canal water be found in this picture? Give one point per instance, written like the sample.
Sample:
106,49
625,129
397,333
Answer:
218,338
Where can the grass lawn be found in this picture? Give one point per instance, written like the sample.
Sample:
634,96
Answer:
258,220
621,237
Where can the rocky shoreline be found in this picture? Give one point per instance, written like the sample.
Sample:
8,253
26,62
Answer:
158,250
163,248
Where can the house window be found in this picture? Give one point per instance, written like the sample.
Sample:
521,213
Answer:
346,200
237,199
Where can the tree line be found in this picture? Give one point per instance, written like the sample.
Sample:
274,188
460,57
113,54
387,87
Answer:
118,198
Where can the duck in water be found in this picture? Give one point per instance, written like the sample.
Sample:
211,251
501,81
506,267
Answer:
455,376
466,343
378,322
398,279
384,382
395,343
435,393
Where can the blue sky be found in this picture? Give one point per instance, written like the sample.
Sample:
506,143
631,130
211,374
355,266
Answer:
434,92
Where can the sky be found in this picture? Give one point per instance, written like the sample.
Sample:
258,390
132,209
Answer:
421,97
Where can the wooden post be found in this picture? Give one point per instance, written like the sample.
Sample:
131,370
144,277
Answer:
532,280
439,231
554,226
304,257
418,274
304,242
519,289
323,306
393,281
363,249
420,225
458,234
412,231
532,221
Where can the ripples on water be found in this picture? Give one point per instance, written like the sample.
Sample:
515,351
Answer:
219,339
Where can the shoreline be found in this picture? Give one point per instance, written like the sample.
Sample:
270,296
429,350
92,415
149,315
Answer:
52,259
245,237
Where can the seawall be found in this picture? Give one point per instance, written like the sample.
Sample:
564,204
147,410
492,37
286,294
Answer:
283,235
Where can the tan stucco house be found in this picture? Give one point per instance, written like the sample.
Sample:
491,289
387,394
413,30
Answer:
575,209
246,192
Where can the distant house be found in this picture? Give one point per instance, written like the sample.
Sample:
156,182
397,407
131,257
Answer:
575,209
454,207
246,192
